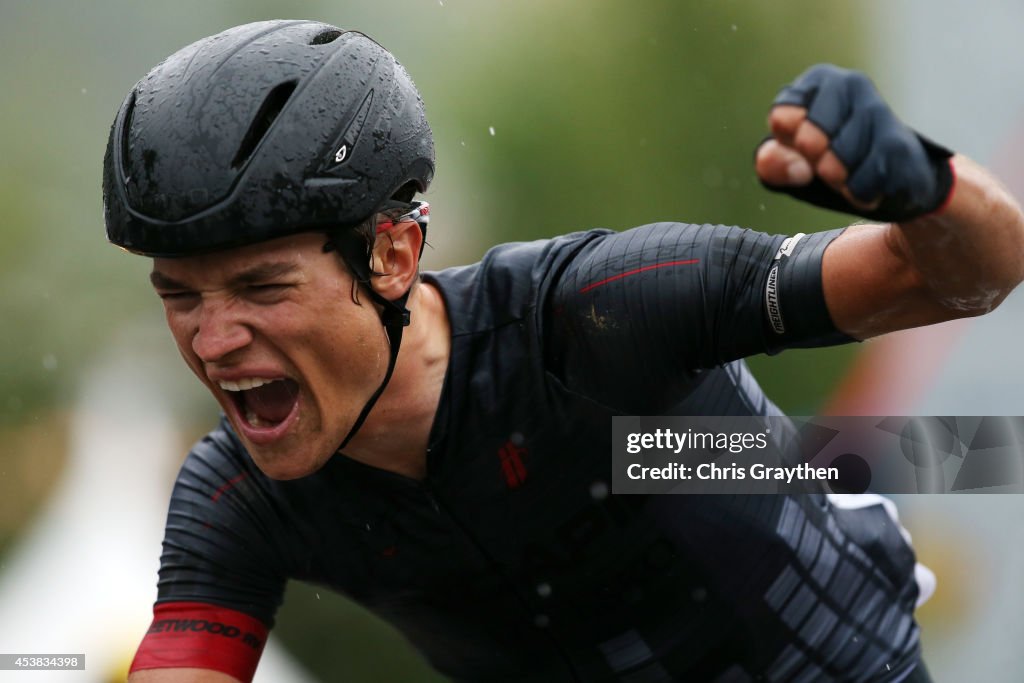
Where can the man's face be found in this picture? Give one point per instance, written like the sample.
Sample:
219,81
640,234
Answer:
272,330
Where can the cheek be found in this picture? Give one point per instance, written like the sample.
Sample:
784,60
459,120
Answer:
177,326
355,349
181,330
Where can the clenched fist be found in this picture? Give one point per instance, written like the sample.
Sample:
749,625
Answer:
836,144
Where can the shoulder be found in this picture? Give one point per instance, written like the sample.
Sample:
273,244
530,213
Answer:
218,480
216,460
229,525
506,284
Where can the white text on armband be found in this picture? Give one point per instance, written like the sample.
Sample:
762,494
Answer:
772,300
771,293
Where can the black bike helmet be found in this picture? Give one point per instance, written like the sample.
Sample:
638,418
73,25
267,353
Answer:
266,130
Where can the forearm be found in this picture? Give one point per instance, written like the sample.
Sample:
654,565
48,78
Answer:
961,261
970,255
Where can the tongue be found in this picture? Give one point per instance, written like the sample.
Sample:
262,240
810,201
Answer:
272,402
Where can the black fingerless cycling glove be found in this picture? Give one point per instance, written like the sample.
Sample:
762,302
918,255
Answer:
884,158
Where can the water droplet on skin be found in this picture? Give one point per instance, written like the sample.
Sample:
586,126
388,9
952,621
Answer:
492,130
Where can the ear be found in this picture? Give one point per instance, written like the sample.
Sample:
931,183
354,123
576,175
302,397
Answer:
396,256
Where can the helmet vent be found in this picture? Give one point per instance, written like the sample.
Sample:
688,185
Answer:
325,37
263,120
126,129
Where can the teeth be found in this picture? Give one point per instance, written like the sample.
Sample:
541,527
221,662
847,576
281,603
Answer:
244,384
254,419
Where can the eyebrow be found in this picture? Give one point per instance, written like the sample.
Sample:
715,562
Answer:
259,273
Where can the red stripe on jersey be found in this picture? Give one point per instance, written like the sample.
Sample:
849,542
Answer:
227,486
613,278
202,636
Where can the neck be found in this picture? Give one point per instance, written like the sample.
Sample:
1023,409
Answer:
396,432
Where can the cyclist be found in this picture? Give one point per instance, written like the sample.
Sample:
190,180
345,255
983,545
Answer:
436,446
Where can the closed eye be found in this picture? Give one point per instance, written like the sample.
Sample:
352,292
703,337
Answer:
182,300
268,292
175,296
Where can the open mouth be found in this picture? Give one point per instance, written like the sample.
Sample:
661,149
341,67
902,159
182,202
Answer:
263,405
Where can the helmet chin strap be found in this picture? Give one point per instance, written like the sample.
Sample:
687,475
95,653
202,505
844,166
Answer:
395,317
394,314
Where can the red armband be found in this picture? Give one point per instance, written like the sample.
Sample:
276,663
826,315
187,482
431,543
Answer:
202,636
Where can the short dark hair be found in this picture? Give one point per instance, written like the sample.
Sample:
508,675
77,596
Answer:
367,230
364,235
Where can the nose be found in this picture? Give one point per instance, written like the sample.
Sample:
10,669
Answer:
220,333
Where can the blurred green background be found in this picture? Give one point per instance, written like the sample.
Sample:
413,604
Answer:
549,116
604,114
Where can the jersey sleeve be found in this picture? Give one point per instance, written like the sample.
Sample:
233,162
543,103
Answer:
634,316
223,567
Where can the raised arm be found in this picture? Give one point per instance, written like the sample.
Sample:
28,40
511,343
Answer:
952,245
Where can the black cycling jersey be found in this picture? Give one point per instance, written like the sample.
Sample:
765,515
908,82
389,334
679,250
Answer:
511,560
